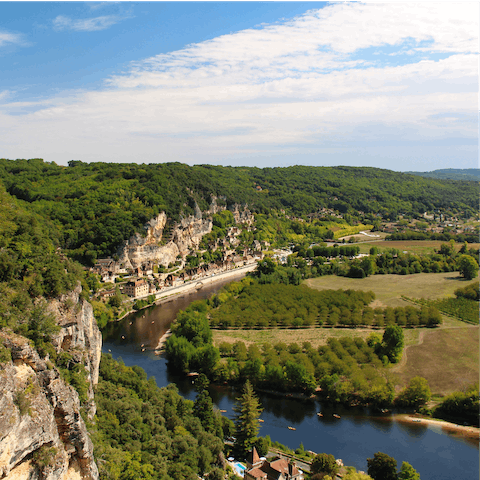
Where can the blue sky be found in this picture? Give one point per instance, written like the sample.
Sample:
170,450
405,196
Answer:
250,83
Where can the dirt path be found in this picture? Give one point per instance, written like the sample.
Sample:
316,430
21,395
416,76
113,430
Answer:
421,337
403,360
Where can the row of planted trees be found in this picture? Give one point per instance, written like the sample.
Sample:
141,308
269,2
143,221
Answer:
347,370
253,305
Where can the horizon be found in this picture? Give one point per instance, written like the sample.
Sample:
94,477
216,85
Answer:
250,166
271,84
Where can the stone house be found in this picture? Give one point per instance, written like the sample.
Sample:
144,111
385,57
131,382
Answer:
136,288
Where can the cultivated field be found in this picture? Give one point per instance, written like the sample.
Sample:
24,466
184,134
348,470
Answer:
388,289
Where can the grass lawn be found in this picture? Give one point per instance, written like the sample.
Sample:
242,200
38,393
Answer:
388,289
448,358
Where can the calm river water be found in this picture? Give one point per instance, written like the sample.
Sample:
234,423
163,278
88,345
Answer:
354,437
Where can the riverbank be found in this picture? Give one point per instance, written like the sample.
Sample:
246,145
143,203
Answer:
201,282
168,294
447,427
173,292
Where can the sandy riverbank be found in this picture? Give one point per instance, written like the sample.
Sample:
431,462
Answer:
447,427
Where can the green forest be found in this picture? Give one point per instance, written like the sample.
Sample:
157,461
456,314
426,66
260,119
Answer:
95,206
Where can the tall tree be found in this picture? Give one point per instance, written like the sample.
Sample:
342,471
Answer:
203,405
382,467
325,463
392,343
247,411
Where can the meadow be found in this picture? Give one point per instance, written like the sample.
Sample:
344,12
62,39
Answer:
389,289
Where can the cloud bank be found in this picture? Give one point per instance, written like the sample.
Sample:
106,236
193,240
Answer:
381,84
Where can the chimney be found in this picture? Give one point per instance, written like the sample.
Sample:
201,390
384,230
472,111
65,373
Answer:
291,465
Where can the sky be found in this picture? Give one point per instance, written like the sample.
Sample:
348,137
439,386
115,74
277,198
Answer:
267,84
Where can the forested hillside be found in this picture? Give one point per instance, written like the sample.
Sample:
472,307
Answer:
468,174
95,206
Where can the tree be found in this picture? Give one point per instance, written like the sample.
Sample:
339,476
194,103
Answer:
325,463
368,265
407,472
392,343
266,266
468,267
382,467
415,394
203,405
247,411
357,476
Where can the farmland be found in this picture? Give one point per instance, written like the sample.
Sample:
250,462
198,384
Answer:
389,289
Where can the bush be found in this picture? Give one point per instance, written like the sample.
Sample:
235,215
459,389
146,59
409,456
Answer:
5,354
22,402
43,457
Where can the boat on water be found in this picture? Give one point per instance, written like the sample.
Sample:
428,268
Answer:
320,414
336,415
260,420
291,428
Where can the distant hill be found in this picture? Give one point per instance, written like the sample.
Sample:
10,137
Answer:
470,174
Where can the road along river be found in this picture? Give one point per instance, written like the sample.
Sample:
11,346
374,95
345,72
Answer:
355,436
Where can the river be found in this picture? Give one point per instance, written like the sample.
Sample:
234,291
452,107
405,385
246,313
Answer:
353,438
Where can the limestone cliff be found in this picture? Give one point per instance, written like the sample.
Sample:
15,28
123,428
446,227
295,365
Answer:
79,335
184,236
42,435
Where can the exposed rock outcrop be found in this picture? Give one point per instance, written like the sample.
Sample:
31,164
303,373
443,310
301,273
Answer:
42,434
79,335
184,236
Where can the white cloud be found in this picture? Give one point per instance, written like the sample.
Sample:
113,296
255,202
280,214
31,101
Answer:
304,85
97,5
7,38
62,22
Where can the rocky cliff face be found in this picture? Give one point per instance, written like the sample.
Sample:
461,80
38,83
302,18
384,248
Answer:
79,335
42,435
185,236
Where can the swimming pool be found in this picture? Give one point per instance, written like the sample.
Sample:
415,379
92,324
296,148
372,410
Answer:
240,468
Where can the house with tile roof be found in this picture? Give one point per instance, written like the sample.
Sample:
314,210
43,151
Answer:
263,469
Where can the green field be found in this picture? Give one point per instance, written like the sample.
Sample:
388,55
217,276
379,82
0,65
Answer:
389,289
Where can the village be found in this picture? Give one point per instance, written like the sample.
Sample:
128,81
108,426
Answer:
153,279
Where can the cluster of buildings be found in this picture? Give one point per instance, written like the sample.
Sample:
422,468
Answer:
144,281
